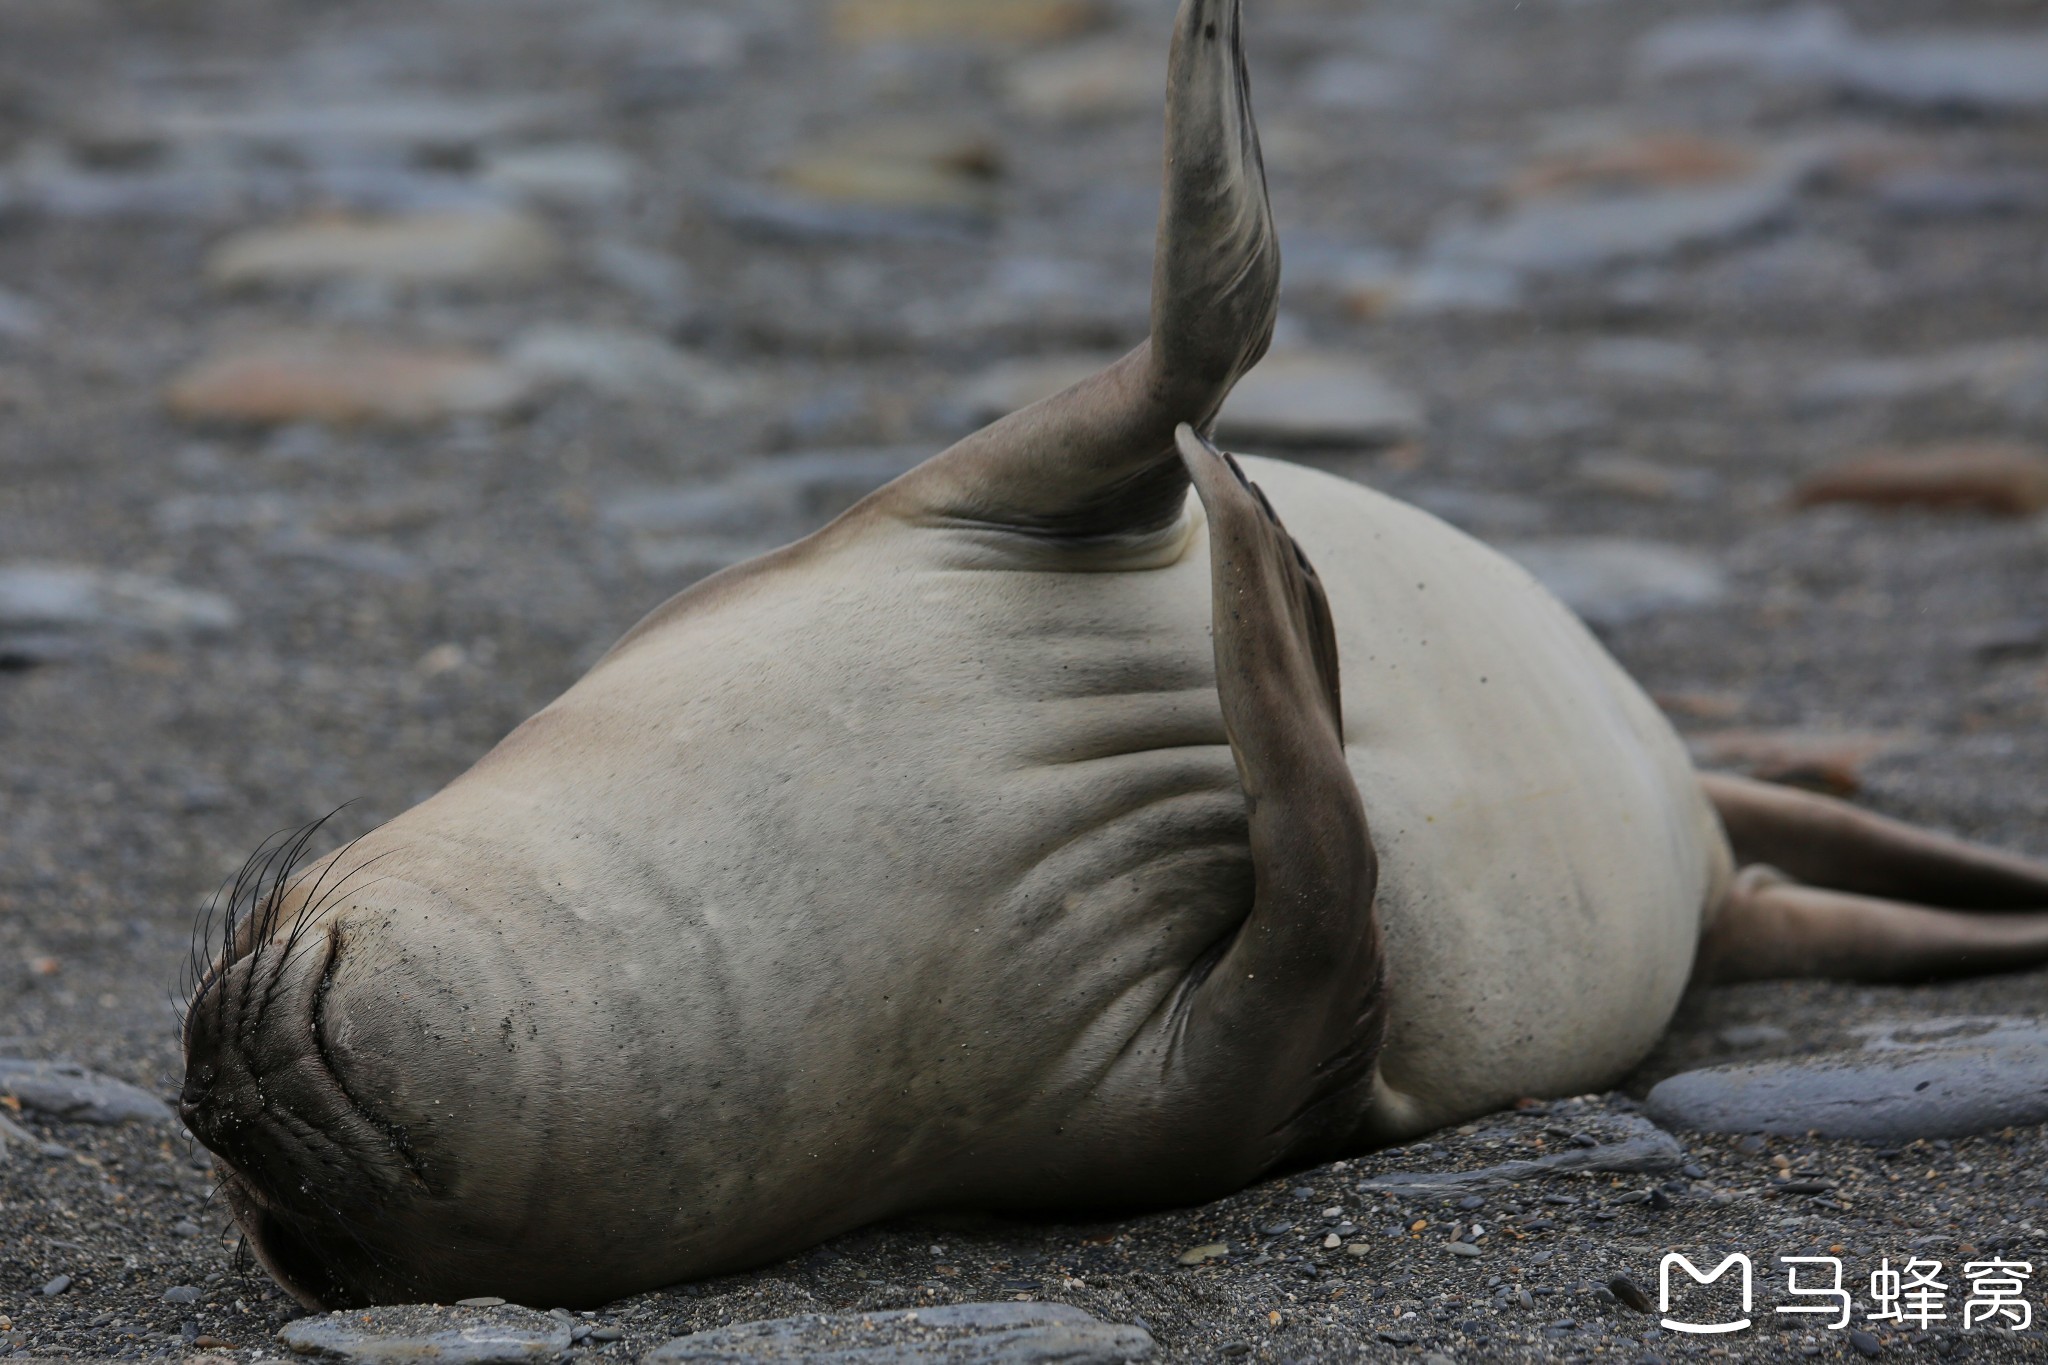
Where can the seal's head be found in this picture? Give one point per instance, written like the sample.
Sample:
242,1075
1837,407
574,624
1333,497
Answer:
340,1062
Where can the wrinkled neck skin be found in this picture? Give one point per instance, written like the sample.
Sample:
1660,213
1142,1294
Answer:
475,1072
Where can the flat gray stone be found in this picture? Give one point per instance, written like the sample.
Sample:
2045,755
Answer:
2011,375
1631,1145
771,492
1938,1079
1610,582
623,363
67,1090
40,598
417,1333
1588,231
957,1334
1980,70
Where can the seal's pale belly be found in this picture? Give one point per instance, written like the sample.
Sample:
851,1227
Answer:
1546,857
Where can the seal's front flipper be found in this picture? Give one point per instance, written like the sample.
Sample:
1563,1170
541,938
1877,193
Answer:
1098,459
1266,1051
1294,1008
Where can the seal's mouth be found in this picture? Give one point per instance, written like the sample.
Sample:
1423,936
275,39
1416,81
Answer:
308,1170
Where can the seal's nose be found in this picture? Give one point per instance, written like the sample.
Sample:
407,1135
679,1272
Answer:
253,1077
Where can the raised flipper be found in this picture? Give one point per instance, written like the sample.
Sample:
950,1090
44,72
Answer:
1098,459
1266,1052
1883,901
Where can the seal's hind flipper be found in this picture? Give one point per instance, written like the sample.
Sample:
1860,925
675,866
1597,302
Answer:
1832,891
1831,843
1098,459
1771,926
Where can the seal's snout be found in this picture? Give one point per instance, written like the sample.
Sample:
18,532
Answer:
300,1161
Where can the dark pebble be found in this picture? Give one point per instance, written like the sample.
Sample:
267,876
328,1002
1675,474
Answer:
606,1334
1235,1348
1397,1338
1275,1229
1692,1170
1750,1145
1866,1344
1471,1201
1806,1187
1021,1286
1629,1292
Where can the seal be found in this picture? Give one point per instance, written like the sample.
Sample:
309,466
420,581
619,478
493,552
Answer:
1086,821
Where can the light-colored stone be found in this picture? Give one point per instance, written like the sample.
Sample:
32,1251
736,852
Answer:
1590,223
38,597
459,248
1095,79
624,364
425,1334
1652,361
952,1334
568,173
409,121
43,180
920,167
1978,69
988,23
66,1090
1292,397
1652,482
1610,582
1935,1079
1304,398
1824,761
658,280
2004,478
2011,375
330,379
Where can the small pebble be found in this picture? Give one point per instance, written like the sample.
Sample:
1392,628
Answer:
182,1293
184,1227
58,1285
481,1301
606,1334
1463,1249
1866,1345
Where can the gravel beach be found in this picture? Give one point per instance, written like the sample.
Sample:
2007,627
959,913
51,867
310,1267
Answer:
366,370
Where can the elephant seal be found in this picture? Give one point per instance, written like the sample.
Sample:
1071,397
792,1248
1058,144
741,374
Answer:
1040,836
